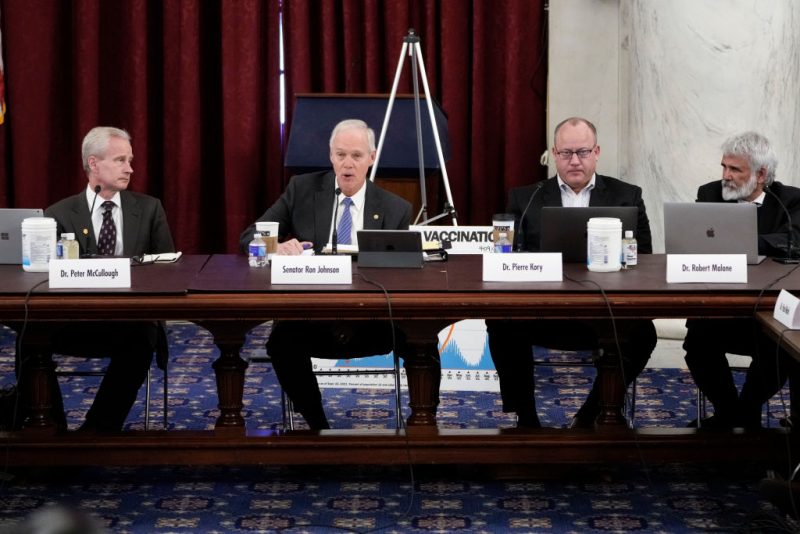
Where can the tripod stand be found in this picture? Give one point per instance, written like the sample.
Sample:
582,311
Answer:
412,48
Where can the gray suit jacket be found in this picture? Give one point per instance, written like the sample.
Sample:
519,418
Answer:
305,210
144,223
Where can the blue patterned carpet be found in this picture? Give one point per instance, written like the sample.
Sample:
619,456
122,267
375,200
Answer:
673,498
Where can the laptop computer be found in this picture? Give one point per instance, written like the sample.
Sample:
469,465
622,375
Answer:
11,233
564,229
712,228
389,248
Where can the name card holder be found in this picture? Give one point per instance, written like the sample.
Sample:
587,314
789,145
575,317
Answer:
311,270
90,273
523,267
707,268
786,308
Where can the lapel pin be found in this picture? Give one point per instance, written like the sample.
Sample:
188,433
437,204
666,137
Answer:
375,216
85,231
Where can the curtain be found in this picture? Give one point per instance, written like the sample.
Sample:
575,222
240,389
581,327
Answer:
195,83
486,65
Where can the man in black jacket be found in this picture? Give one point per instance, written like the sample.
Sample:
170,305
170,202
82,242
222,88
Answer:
122,223
576,153
748,175
305,216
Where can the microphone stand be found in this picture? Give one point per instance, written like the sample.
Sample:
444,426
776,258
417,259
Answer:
519,235
87,254
335,234
790,256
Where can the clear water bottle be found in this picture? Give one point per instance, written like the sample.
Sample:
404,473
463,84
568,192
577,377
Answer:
67,248
502,245
257,251
630,252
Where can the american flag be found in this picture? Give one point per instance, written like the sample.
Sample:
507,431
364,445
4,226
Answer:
2,84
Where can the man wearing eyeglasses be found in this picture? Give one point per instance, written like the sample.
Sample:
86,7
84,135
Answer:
576,185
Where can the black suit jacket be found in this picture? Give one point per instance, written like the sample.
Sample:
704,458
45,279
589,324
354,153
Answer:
144,223
305,210
607,192
772,223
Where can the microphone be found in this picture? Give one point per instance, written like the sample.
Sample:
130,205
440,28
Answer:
519,242
86,231
789,233
335,236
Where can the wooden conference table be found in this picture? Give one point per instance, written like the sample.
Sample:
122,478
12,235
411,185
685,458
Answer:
226,296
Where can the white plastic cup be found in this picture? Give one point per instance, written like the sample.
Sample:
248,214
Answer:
269,232
603,244
38,243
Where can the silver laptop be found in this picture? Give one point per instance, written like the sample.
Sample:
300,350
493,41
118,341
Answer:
11,233
712,228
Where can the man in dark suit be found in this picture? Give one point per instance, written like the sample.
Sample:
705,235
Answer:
748,175
576,153
123,223
305,216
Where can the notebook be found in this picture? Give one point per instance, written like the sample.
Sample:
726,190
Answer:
11,233
712,228
564,229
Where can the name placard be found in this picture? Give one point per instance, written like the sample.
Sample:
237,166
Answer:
707,268
90,273
312,270
785,311
463,239
523,267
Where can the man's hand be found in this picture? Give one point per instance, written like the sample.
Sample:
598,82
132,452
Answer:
293,247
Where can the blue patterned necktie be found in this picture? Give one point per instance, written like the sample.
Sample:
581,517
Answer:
107,241
345,227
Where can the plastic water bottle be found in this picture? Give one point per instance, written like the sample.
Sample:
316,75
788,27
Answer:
630,250
502,245
257,251
67,248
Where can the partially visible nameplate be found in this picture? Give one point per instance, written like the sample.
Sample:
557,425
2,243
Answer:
707,268
312,270
786,310
523,267
90,273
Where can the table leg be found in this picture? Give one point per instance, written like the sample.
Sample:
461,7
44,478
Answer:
229,368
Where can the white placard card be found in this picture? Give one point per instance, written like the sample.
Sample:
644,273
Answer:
463,239
90,273
707,268
312,270
785,311
523,267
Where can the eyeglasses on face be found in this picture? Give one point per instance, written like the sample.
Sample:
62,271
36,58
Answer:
582,153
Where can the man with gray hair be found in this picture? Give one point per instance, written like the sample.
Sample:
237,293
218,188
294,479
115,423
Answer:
748,175
109,220
305,214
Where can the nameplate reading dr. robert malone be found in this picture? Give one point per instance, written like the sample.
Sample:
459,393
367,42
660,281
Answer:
90,273
312,270
522,267
707,268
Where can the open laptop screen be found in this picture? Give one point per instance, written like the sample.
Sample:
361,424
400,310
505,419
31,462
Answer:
564,229
711,228
11,233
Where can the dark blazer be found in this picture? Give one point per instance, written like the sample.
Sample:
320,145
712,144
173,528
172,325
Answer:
144,223
305,210
607,192
772,223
